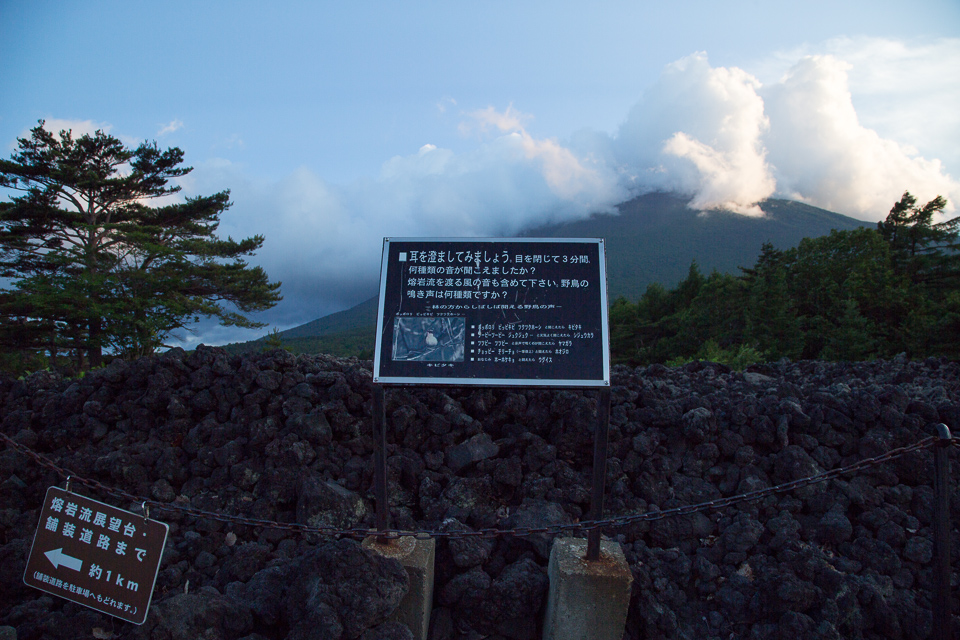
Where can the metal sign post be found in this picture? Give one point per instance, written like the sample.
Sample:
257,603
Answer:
96,555
524,312
380,458
599,473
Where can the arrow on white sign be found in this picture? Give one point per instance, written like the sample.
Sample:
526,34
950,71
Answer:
58,558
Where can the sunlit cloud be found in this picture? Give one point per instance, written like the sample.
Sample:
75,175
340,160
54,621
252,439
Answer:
729,141
566,175
732,180
323,239
902,90
824,155
698,130
718,134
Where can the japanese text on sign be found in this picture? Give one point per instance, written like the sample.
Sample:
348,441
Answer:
96,555
501,311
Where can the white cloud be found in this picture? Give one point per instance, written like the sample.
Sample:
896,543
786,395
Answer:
82,127
698,130
78,127
323,240
485,119
56,125
233,141
905,91
729,141
568,176
734,179
716,133
824,155
170,127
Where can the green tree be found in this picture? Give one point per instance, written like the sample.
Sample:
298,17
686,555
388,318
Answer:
927,253
96,268
924,250
650,330
770,310
715,314
737,357
623,331
845,282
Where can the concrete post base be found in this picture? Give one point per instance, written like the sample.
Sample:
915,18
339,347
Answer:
417,558
587,600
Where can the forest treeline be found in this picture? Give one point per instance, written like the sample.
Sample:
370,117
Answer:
851,295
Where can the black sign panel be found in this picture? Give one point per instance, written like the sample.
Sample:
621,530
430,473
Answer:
96,555
506,311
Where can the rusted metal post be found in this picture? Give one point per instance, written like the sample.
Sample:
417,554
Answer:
941,534
599,472
380,459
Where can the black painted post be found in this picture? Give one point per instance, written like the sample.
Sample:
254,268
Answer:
599,472
941,534
380,458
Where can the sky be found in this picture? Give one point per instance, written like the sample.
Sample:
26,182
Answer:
335,125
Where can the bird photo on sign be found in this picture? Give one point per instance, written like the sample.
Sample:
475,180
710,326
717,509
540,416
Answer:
428,339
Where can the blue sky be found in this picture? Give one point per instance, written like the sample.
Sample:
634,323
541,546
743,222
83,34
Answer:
335,124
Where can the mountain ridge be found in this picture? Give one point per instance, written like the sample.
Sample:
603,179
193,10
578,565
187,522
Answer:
670,235
652,238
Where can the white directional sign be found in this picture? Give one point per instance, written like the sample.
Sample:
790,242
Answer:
96,555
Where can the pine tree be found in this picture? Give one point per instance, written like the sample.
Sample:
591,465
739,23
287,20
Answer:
923,250
927,254
771,311
95,267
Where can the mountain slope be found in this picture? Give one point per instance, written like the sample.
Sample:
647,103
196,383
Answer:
345,333
654,238
362,315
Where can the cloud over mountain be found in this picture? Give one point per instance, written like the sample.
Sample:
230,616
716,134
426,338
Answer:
728,140
698,130
716,133
822,154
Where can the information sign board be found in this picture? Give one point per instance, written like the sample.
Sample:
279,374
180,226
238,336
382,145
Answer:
96,555
502,311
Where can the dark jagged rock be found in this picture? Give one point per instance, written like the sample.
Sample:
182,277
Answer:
326,503
288,440
479,447
336,590
195,615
